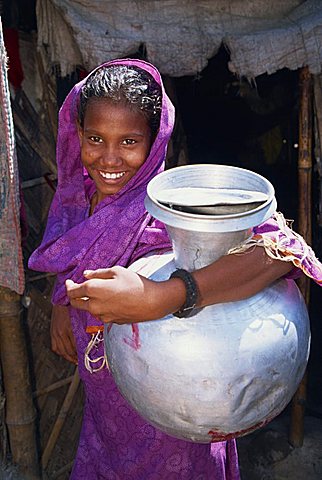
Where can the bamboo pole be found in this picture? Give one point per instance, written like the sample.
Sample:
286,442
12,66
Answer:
53,386
62,470
60,420
318,138
3,428
296,434
20,411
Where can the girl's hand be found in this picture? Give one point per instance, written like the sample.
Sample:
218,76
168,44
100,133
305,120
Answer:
62,338
122,296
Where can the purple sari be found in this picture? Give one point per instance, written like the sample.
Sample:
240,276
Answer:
115,442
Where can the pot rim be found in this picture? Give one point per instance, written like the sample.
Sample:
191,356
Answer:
202,175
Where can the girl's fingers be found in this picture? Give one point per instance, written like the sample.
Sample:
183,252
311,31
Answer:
76,290
80,303
86,289
65,348
103,273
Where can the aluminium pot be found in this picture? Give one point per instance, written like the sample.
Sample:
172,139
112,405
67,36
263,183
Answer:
232,367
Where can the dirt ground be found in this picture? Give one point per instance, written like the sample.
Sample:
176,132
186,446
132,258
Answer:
267,455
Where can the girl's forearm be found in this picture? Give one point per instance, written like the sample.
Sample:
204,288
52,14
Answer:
231,278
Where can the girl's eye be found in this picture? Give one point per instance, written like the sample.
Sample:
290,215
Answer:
95,139
128,141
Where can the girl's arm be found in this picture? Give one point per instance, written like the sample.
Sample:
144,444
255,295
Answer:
122,296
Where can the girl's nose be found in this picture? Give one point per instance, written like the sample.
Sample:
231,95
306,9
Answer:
111,157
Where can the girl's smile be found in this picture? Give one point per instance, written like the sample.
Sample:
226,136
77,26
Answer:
115,141
112,175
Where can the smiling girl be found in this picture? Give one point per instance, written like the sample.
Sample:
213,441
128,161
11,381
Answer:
114,128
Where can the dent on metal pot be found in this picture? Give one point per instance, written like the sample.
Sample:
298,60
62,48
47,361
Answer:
232,367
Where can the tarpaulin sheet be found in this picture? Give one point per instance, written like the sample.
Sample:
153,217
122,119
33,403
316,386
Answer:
180,36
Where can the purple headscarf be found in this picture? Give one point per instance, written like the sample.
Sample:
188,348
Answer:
120,230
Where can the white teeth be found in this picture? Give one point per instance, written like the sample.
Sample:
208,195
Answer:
112,176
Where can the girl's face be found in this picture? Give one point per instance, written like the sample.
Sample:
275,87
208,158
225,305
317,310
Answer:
115,141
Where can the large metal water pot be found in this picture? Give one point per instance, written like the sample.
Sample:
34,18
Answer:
232,367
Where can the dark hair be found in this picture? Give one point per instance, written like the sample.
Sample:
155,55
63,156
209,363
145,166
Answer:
128,84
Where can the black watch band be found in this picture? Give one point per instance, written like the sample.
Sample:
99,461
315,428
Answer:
192,294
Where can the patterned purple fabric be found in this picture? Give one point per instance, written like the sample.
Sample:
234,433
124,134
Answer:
115,442
282,243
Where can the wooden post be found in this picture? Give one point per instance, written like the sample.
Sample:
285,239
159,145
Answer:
20,411
317,80
296,434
